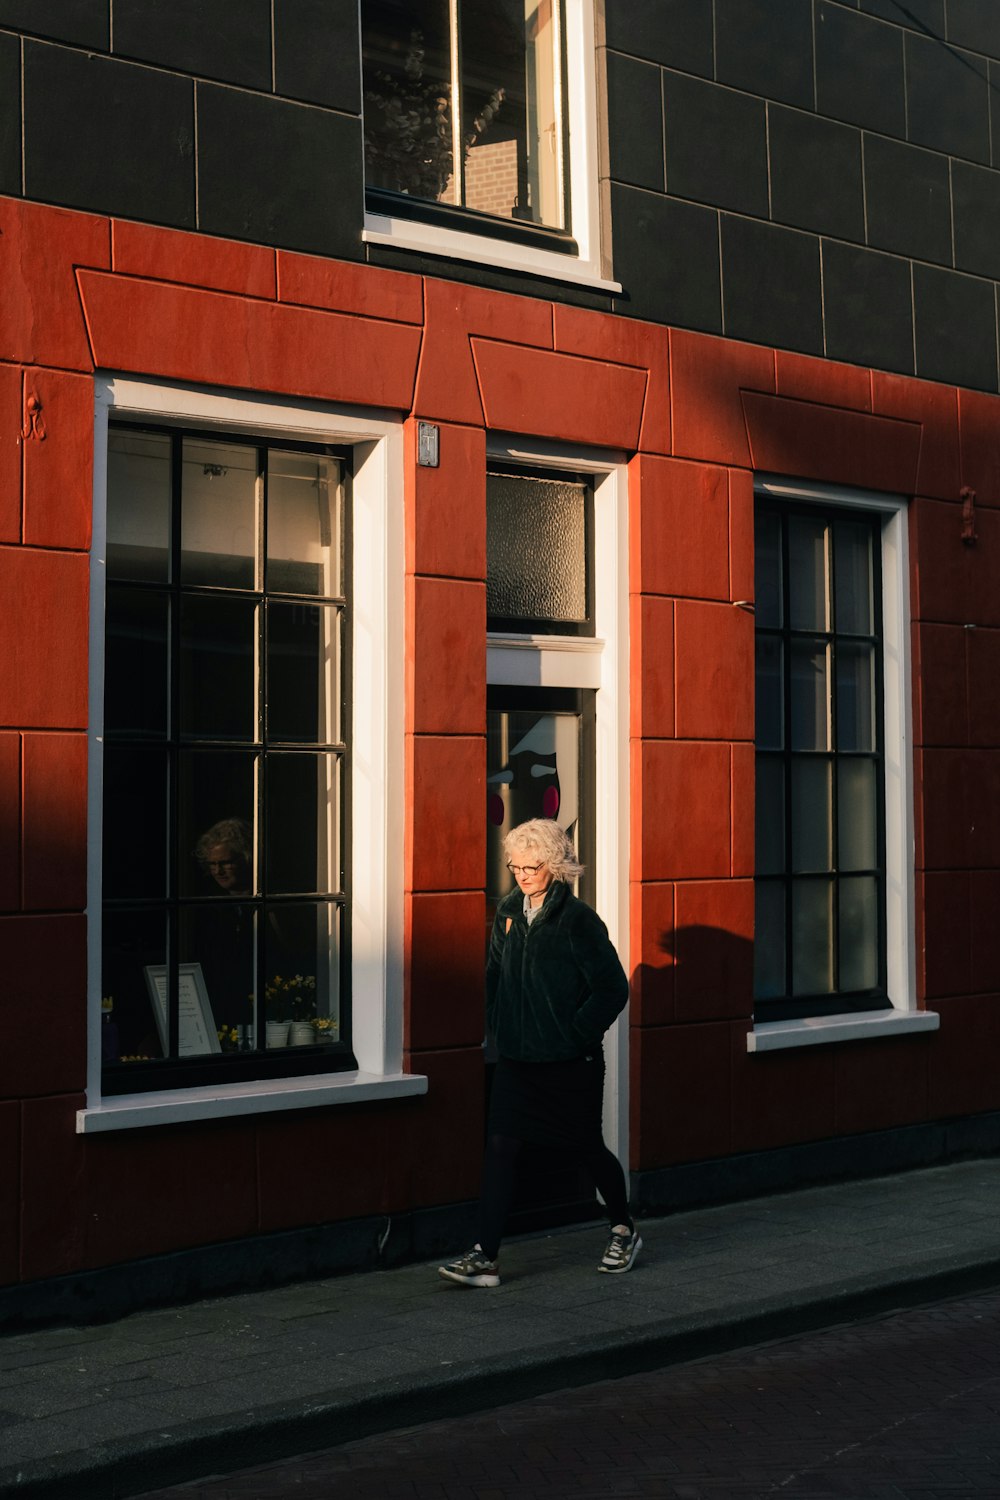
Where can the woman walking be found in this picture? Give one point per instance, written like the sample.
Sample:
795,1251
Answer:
554,984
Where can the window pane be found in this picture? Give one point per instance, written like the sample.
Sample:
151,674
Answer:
769,940
135,822
303,673
304,524
812,937
303,824
536,548
215,824
218,515
511,109
770,709
858,934
218,688
770,816
812,815
808,574
407,97
533,764
853,554
134,940
855,697
138,506
767,571
221,941
810,695
135,663
857,842
302,974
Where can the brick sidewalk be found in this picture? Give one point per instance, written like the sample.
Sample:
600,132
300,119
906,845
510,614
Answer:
176,1393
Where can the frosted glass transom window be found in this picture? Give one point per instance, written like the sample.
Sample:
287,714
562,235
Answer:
538,562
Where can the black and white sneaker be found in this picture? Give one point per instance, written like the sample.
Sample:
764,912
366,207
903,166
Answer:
621,1252
473,1269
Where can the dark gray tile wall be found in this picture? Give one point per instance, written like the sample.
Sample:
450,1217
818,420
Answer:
236,117
850,152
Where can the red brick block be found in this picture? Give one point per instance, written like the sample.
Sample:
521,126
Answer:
445,843
680,810
651,693
11,422
10,1192
624,341
447,387
294,1191
446,506
979,431
945,935
743,808
822,442
192,259
882,1084
45,974
651,929
58,468
205,1179
558,396
10,822
707,375
54,1216
183,333
680,1084
940,697
983,807
443,941
43,639
442,1162
940,565
780,1098
942,809
984,905
935,407
41,322
807,379
345,286
713,950
984,567
963,1075
679,529
741,536
983,647
714,652
55,822
445,668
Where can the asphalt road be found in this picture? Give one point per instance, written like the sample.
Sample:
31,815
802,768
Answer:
902,1407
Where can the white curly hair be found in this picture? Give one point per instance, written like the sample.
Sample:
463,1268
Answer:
553,846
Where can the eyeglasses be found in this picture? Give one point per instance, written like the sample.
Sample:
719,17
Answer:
526,870
217,866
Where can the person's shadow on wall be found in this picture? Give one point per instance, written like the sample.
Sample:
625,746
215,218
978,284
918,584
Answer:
705,974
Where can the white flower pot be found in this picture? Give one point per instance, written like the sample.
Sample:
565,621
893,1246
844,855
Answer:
277,1033
300,1034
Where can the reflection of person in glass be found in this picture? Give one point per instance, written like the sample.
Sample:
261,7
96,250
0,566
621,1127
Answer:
225,853
222,937
554,984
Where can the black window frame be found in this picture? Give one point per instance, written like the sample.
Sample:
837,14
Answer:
213,1069
457,217
800,1006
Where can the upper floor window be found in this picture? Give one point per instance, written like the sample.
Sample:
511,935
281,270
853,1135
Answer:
480,127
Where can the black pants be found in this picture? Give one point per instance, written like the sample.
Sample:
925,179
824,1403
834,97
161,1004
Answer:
500,1176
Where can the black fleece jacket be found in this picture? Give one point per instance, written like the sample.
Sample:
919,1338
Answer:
554,988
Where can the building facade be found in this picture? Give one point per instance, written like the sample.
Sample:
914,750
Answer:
421,416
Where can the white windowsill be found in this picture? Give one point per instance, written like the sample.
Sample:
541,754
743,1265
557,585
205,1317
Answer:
256,1097
482,250
812,1031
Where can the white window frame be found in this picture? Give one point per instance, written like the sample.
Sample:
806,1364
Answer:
902,1014
377,753
586,267
600,662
